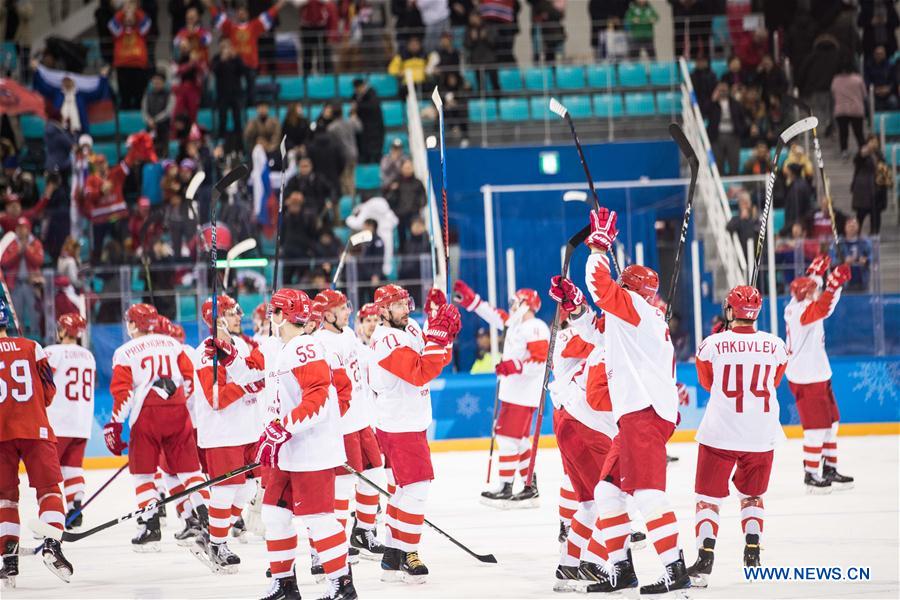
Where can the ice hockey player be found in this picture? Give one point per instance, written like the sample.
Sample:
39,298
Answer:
360,445
809,372
405,361
227,431
234,324
72,412
521,371
152,378
26,435
260,318
741,368
303,447
640,369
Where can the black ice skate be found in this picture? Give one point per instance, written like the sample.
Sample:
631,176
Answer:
10,565
567,579
591,571
239,530
498,498
201,549
390,564
161,511
700,571
316,570
222,559
675,578
284,588
637,540
149,536
191,530
352,555
751,551
563,532
55,561
73,517
838,481
620,577
816,485
341,589
412,569
364,540
529,497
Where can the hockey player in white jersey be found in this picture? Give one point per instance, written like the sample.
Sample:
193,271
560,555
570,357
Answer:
809,372
72,412
741,368
521,369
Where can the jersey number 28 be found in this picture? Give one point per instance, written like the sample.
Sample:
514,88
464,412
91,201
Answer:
80,384
758,387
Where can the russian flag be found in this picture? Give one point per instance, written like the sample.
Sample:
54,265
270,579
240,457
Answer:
260,181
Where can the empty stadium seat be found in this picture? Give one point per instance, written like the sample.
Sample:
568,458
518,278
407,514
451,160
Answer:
888,122
537,78
368,177
130,121
205,118
384,85
173,149
668,103
639,104
579,106
345,84
719,66
483,110
513,109
510,79
101,129
569,77
394,112
345,206
632,74
320,87
540,108
290,88
107,149
601,76
32,126
608,105
777,219
342,234
314,111
471,78
663,73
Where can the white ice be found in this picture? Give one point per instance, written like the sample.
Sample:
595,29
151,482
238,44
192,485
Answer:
858,527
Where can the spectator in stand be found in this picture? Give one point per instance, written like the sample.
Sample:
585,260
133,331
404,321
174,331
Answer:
605,14
295,126
57,214
345,131
501,17
704,81
391,164
69,262
882,76
797,155
799,197
871,181
820,222
301,230
755,110
857,253
481,46
232,81
378,209
67,299
459,13
142,230
198,37
727,129
328,246
777,120
411,263
368,108
9,219
131,60
443,61
263,126
736,77
795,250
21,263
849,93
104,203
693,25
105,11
327,156
758,163
771,79
157,108
318,21
171,182
71,99
58,145
409,20
547,33
413,58
191,72
178,221
81,168
178,13
746,223
406,197
455,91
879,22
436,19
813,76
639,21
371,258
318,193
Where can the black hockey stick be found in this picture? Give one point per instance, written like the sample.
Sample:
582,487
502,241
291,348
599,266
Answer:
786,136
688,151
47,530
145,252
436,98
283,148
573,243
485,558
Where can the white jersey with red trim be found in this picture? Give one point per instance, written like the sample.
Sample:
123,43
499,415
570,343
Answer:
74,374
567,360
270,347
191,353
402,367
640,358
526,342
804,323
236,421
342,355
741,368
307,409
366,358
590,401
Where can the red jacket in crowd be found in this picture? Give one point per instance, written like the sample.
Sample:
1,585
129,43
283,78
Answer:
130,35
11,261
245,36
103,200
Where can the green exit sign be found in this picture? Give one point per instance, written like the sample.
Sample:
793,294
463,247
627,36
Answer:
549,163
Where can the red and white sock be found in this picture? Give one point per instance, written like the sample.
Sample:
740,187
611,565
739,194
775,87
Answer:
158,482
662,526
706,519
9,520
752,515
144,489
813,440
174,485
50,506
524,459
220,503
507,458
281,540
391,482
343,490
579,534
200,498
367,499
329,540
613,526
73,484
829,447
406,515
568,502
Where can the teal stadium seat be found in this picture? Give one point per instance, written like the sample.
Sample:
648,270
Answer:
384,85
290,88
130,121
107,149
368,177
579,106
608,105
570,77
639,105
668,103
719,66
510,79
888,122
320,87
482,110
394,112
345,206
540,108
601,76
471,78
342,234
32,127
632,74
101,129
173,149
513,109
777,219
314,111
537,78
389,139
663,73
205,118
345,84
746,154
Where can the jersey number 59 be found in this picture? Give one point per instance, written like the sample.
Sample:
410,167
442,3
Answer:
17,382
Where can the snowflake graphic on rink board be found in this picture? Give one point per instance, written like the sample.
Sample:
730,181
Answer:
877,380
467,405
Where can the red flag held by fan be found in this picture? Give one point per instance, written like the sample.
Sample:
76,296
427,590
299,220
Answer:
16,99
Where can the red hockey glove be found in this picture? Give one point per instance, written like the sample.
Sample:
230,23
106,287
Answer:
112,435
270,442
838,277
445,325
465,296
433,300
227,352
508,367
603,229
819,265
564,291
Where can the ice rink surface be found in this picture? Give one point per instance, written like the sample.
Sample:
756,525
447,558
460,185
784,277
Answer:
857,527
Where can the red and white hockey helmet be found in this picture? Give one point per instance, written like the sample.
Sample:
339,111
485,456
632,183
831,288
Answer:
745,302
803,287
144,316
330,299
226,303
165,326
529,298
177,332
295,305
390,293
71,324
640,279
369,309
259,313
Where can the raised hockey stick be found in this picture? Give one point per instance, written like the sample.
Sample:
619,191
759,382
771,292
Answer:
279,220
786,136
357,239
557,107
485,558
688,152
47,530
573,243
189,195
9,303
439,104
242,247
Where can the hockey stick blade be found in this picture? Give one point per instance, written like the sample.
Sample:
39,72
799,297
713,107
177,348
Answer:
557,107
576,240
194,185
801,126
684,145
240,248
362,237
576,196
236,174
436,98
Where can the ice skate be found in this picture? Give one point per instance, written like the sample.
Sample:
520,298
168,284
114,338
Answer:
341,589
498,498
149,537
191,530
412,569
352,555
201,549
591,571
568,579
637,540
10,565
55,561
161,512
239,530
675,578
838,482
316,570
390,564
74,517
284,588
700,571
563,532
222,559
751,551
528,497
816,485
364,540
620,577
